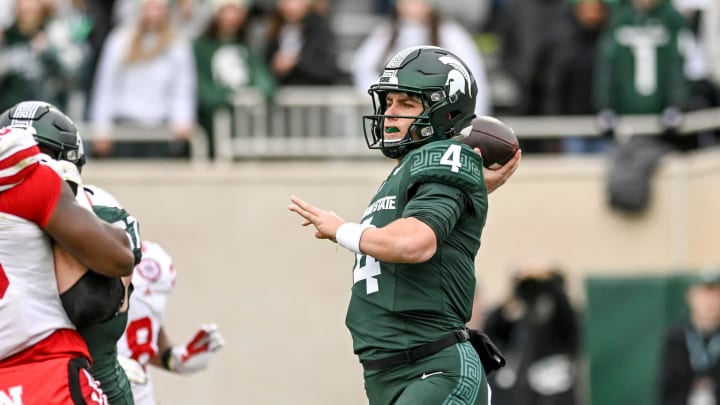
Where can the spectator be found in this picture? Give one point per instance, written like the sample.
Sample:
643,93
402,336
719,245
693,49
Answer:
571,70
529,31
226,65
34,64
640,66
693,44
301,46
537,329
413,23
689,370
146,78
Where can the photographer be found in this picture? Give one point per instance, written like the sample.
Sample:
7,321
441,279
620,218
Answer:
537,330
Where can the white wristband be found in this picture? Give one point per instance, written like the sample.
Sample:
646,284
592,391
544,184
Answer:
348,235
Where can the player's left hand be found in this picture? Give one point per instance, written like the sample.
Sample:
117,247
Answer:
326,223
133,370
195,355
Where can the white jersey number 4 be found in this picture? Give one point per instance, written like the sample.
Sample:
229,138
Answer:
451,157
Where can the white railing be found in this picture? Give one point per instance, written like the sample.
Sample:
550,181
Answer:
628,125
301,122
136,133
327,122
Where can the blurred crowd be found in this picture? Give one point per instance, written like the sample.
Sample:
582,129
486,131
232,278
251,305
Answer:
550,341
174,63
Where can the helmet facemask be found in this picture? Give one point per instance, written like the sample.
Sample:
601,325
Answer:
418,132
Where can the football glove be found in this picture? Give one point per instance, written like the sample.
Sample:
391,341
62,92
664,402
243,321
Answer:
120,218
196,354
134,370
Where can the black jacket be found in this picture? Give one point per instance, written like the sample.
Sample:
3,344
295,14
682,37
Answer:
676,374
318,55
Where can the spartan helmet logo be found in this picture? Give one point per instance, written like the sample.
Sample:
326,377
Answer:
456,83
458,78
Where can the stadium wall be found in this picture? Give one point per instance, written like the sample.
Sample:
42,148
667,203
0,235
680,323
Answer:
279,296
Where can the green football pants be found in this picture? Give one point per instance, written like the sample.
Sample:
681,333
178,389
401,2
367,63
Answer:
452,376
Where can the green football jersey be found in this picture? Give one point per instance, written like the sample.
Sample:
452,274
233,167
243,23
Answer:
397,306
101,341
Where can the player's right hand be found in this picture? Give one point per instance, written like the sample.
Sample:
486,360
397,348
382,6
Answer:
496,178
134,370
195,355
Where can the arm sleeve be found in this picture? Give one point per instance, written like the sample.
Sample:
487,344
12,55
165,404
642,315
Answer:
437,205
35,198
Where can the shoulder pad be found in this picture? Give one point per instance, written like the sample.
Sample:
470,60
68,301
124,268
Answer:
18,150
99,196
156,251
447,162
155,270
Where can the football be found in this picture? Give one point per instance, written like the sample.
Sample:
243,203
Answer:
496,140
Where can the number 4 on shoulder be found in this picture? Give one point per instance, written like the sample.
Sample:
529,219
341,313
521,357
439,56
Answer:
451,157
